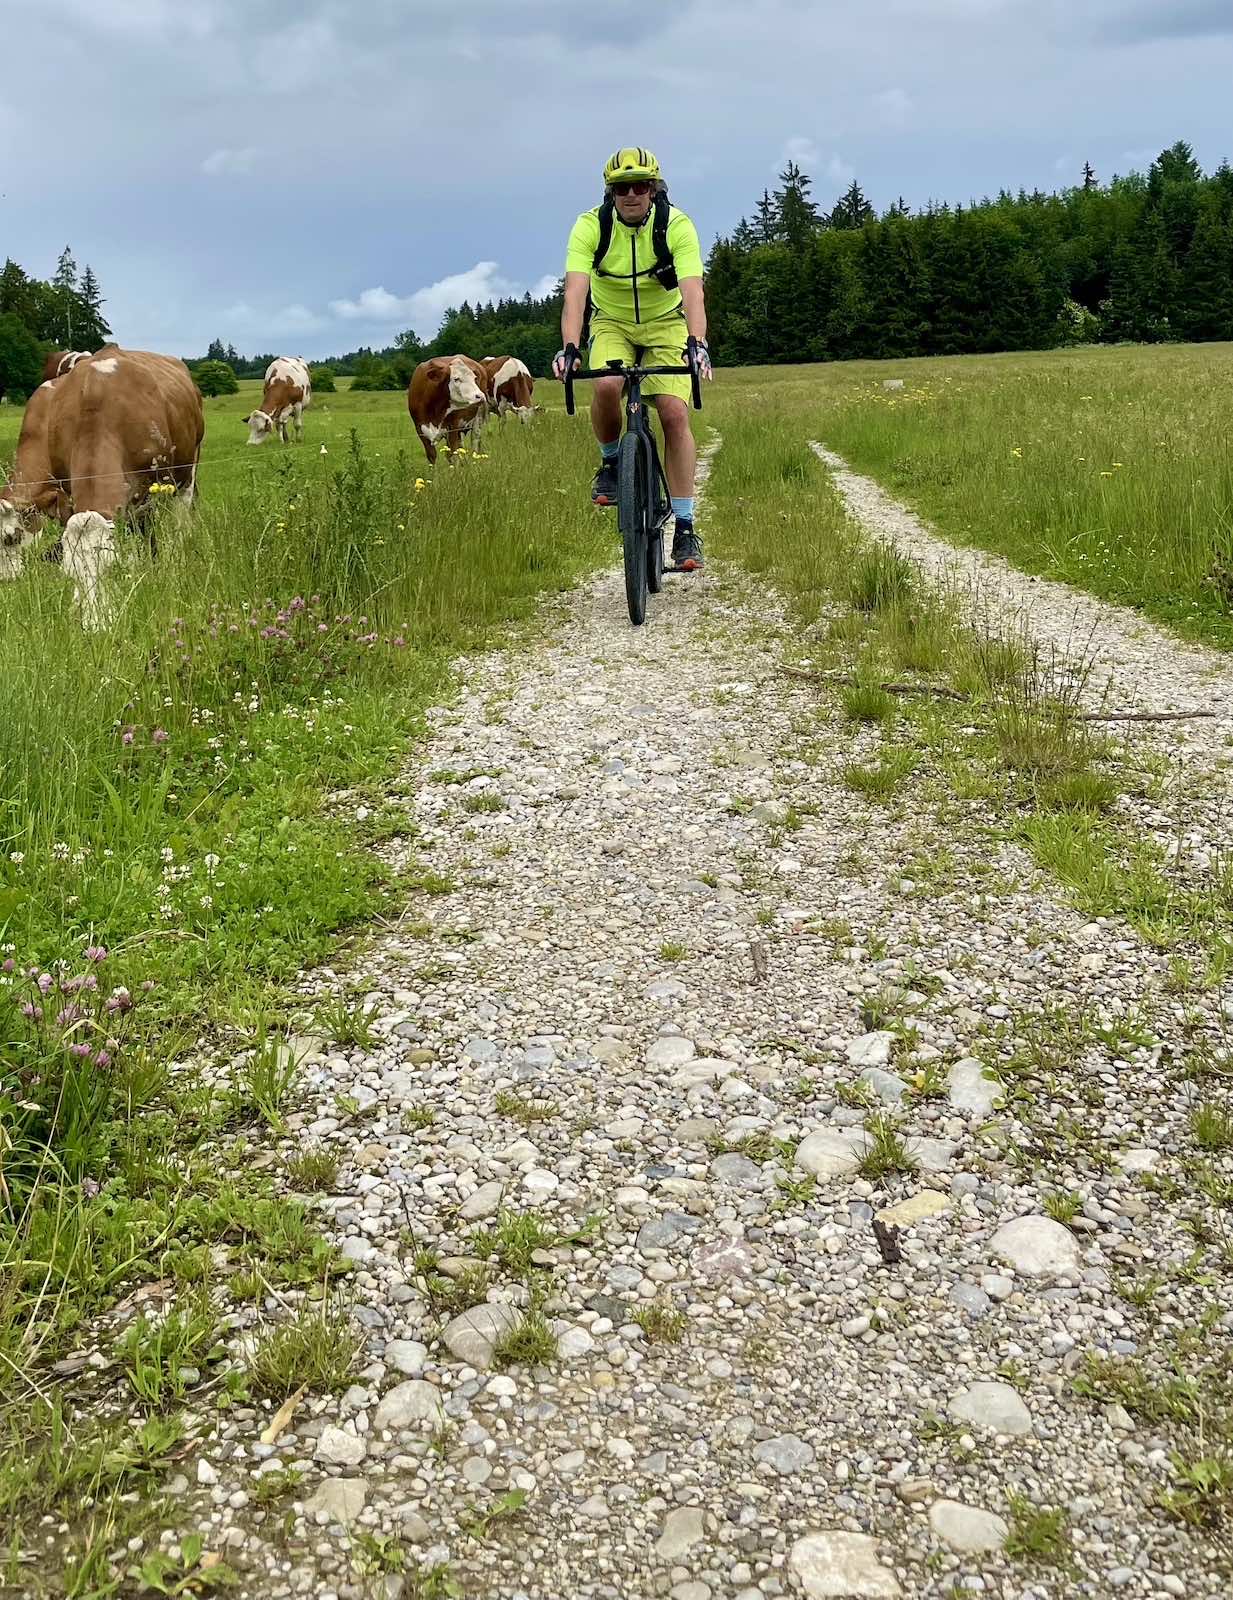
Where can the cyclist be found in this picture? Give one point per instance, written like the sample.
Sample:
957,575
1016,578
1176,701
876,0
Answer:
636,264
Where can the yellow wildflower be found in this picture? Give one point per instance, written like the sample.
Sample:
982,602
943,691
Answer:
1017,453
1106,474
419,484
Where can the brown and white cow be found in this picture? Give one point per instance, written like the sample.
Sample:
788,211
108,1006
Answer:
117,424
510,387
287,395
30,492
61,361
447,398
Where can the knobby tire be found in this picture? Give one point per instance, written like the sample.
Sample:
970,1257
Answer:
633,512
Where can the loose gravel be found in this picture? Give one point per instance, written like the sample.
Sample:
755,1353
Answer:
630,1004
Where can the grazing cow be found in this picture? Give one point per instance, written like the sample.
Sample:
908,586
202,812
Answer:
287,395
120,423
447,398
61,361
510,386
30,492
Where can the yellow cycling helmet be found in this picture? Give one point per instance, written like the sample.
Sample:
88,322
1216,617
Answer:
631,164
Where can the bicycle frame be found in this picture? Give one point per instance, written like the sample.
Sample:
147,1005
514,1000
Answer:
644,501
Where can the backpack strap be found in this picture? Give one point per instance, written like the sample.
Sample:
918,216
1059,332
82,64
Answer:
605,232
664,270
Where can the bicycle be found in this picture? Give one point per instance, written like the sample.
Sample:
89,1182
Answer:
643,501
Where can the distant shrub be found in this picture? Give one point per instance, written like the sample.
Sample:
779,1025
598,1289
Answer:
382,377
1077,325
215,377
322,379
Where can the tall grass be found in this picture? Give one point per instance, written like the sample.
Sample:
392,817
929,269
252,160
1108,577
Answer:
165,799
1106,468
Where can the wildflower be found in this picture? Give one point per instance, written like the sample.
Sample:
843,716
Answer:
207,900
159,736
91,1188
420,483
102,1058
211,861
71,1015
120,1001
9,965
324,451
1106,474
46,983
1017,453
60,852
167,853
17,857
81,1051
146,986
1117,464
35,1013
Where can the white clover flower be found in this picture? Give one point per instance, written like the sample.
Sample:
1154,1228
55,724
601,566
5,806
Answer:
17,857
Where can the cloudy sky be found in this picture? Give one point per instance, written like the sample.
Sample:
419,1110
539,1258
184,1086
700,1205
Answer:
312,175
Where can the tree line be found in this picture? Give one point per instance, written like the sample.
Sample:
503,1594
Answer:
527,328
64,312
1146,257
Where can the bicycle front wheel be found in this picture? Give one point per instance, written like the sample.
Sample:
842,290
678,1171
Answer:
633,512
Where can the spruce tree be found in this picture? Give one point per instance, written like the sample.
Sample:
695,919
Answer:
93,329
852,210
1207,279
797,213
65,285
766,220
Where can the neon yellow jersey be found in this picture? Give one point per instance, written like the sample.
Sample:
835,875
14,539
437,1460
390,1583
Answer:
632,250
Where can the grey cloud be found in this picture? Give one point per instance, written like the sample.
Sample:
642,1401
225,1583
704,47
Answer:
1170,19
290,155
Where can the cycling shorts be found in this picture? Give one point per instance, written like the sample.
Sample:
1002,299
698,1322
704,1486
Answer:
661,341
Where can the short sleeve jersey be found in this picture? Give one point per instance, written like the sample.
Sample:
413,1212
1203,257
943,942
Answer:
628,298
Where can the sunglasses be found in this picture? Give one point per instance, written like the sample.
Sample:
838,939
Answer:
641,186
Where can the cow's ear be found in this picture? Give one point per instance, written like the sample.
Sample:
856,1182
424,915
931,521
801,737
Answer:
243,419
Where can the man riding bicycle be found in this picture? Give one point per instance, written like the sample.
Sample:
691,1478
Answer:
638,261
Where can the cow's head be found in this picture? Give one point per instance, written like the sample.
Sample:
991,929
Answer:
260,426
464,391
17,530
89,550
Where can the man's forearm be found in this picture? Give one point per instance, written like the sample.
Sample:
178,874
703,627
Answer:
572,312
694,304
